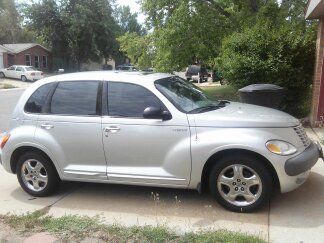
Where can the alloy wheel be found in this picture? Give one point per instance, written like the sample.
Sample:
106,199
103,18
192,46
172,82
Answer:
34,175
239,185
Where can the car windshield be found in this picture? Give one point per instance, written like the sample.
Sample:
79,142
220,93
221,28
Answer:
185,96
30,69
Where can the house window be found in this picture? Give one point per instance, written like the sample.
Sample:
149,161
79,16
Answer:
36,62
44,61
28,60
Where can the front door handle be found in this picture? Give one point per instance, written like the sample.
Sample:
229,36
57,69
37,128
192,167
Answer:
111,129
47,126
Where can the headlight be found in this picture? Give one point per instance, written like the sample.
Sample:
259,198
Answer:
280,147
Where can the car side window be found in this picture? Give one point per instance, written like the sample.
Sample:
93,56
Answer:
75,98
129,100
36,102
12,68
19,69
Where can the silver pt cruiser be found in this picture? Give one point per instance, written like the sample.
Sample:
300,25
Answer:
153,130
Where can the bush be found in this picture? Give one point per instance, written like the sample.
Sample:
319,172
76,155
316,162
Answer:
281,55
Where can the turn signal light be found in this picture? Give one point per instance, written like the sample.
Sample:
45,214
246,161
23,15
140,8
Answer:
4,140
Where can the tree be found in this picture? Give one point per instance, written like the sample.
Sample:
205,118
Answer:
138,48
128,21
11,30
78,31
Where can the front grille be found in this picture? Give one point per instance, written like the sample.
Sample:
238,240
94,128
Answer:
300,130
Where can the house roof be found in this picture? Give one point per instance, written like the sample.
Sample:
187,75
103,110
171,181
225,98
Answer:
315,9
16,48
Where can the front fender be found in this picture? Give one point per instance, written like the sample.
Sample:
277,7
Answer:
210,141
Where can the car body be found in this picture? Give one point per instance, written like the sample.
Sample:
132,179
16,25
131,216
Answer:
196,73
23,73
143,129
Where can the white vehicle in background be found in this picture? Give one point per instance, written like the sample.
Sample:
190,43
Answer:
24,73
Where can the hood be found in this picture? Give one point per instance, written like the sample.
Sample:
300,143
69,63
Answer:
243,115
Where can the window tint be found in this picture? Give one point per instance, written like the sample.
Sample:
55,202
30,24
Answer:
75,98
36,103
30,69
129,100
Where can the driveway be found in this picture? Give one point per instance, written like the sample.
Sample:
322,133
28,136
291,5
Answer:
293,217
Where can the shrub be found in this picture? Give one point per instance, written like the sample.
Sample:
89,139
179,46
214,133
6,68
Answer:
266,53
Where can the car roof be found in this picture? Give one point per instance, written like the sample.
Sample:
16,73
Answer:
117,76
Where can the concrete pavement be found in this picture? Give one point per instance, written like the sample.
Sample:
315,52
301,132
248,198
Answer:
293,217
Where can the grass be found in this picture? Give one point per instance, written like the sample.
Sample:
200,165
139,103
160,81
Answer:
7,86
224,92
80,227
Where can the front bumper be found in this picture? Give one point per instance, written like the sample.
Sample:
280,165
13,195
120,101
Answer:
304,161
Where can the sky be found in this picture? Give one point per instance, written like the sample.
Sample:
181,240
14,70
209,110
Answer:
135,7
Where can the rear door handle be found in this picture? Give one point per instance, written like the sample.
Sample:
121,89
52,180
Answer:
111,129
47,126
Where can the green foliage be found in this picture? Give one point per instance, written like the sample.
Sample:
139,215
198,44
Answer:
277,51
11,30
127,21
76,30
138,48
76,228
224,92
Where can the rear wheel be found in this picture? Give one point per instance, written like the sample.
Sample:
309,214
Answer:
240,183
36,174
2,75
23,78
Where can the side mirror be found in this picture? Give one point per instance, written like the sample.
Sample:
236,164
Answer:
156,113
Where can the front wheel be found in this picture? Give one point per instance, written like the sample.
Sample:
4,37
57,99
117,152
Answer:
36,174
240,183
2,75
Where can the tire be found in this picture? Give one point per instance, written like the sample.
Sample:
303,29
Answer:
23,78
32,160
2,75
239,193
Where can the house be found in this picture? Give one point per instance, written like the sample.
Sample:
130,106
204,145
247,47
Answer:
315,10
29,54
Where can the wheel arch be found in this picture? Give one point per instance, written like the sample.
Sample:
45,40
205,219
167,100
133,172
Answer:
23,149
216,156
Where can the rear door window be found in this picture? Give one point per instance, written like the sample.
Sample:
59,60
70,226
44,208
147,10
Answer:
75,98
37,102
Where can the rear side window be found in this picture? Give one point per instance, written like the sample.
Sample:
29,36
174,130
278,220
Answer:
129,100
75,98
36,103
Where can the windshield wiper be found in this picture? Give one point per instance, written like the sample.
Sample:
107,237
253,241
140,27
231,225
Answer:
204,109
220,104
